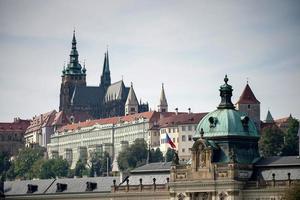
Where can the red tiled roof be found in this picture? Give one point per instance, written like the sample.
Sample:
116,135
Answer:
59,119
247,96
19,125
152,116
41,121
283,120
80,116
181,118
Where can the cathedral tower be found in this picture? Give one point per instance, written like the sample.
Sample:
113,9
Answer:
105,77
250,105
72,76
163,104
132,104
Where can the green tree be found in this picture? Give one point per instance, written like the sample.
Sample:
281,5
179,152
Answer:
60,167
10,174
4,164
291,141
42,169
170,154
24,161
135,155
53,168
156,155
106,163
80,168
271,141
96,164
122,160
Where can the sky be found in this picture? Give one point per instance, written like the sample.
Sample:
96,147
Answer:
187,45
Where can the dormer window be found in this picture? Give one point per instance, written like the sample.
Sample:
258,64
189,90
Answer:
60,187
245,122
31,188
212,122
90,186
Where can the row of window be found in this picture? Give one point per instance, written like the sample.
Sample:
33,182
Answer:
175,129
184,138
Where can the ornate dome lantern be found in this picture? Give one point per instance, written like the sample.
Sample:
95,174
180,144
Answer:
229,129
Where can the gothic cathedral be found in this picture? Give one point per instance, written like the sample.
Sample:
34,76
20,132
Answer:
106,100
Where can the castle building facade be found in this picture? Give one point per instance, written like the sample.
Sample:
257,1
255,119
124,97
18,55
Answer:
77,141
180,128
106,100
43,126
12,136
225,165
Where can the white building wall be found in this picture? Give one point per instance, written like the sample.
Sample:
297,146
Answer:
182,137
98,134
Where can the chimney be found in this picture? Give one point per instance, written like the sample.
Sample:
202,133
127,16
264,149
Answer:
176,111
189,110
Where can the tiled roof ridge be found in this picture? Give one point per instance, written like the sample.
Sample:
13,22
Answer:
111,120
40,120
182,118
282,119
21,124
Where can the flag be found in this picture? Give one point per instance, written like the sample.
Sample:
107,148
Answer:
170,141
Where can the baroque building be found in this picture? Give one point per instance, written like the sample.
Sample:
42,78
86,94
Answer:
43,126
79,140
12,136
224,165
106,100
180,128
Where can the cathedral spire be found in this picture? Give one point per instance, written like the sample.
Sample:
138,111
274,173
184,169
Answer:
226,94
105,77
74,52
106,64
163,104
74,66
132,104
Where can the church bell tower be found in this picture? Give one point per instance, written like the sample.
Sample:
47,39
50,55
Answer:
72,76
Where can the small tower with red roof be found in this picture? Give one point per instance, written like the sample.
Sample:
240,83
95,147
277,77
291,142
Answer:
250,105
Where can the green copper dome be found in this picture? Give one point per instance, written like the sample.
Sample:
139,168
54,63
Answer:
226,122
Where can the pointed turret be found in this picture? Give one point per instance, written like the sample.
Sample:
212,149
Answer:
105,77
132,104
249,104
74,66
73,74
269,118
163,104
247,96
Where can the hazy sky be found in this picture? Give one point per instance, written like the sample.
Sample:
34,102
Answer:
187,45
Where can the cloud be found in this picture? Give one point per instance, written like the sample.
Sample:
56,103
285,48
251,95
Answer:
188,45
